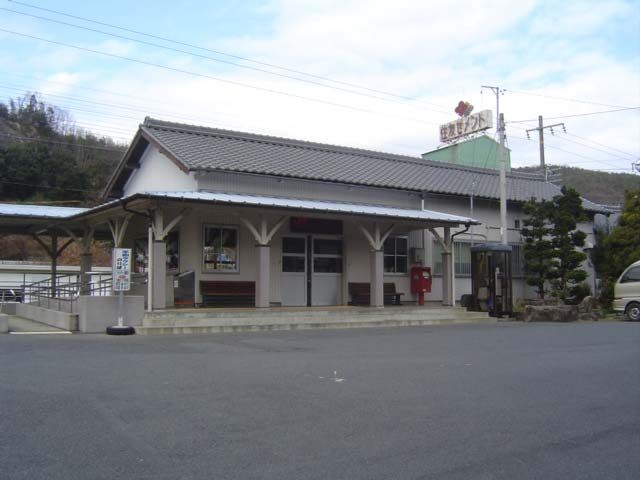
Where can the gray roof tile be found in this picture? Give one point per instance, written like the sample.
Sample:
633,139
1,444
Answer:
200,148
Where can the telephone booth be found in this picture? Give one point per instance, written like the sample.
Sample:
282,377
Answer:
491,285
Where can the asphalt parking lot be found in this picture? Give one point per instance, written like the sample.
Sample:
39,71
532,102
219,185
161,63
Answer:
496,401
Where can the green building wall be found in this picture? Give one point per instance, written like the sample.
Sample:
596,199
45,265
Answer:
480,152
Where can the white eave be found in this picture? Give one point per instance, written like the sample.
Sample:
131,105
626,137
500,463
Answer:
38,211
217,198
318,206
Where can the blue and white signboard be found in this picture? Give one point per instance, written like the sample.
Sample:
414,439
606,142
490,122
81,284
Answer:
121,269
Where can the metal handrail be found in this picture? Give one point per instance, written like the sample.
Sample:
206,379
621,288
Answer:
64,296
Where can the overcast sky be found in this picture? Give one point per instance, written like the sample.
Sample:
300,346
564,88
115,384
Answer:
374,74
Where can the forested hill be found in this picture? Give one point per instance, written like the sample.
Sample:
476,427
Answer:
600,187
44,157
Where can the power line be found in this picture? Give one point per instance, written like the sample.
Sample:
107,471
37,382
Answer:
210,77
81,87
64,105
118,130
49,187
164,47
602,144
561,137
593,148
145,110
218,52
577,115
79,146
121,130
590,159
560,98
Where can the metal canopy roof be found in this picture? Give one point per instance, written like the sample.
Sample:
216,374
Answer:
9,213
321,206
38,211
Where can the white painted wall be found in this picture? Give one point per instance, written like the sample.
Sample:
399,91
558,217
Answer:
296,188
157,172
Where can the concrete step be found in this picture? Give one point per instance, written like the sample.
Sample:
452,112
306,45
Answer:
169,315
301,318
251,320
262,327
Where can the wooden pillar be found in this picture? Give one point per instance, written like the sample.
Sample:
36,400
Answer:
54,265
447,287
159,277
262,234
157,260
376,239
54,252
86,261
377,278
263,275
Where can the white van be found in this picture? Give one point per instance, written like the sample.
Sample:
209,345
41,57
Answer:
626,296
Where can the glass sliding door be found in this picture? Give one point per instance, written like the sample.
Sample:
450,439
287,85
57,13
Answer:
294,271
326,277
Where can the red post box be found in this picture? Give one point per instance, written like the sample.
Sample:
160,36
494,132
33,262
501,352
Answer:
420,282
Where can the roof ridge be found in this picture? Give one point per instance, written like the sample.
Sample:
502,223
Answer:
326,147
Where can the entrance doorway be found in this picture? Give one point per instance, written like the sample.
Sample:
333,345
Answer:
311,270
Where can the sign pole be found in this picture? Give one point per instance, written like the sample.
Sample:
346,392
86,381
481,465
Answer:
503,178
503,184
120,309
121,278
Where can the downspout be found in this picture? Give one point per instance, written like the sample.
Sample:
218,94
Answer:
453,263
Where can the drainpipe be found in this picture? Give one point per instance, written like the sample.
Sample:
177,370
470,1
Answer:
453,263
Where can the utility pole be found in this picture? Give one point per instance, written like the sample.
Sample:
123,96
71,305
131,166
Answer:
540,131
503,176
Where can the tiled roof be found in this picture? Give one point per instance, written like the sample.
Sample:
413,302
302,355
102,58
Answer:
200,148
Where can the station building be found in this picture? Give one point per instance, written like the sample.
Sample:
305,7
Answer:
301,220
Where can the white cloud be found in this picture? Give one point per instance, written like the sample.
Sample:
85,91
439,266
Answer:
439,52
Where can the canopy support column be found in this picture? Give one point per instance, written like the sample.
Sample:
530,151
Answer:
448,272
263,235
86,257
157,261
53,252
376,239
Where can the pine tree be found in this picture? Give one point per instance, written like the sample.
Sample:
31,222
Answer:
565,273
537,247
623,245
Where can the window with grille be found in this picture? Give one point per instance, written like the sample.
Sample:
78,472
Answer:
396,254
517,261
461,257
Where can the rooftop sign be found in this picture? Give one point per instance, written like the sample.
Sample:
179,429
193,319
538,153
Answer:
466,125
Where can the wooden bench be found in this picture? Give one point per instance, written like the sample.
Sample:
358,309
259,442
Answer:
217,293
361,294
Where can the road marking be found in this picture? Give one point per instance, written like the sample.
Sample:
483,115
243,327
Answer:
335,377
